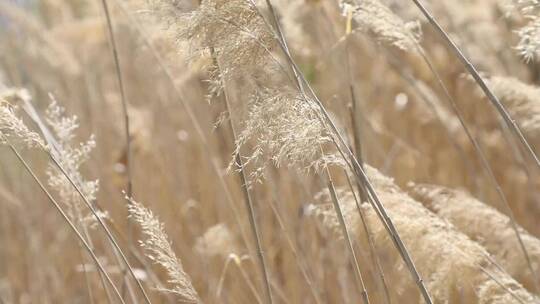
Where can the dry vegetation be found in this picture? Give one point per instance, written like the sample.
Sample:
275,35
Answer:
269,151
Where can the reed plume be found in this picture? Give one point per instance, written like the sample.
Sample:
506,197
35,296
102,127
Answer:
71,155
450,262
284,96
529,34
11,126
284,126
375,18
522,101
218,240
158,248
478,221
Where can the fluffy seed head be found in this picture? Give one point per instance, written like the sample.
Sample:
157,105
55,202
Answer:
234,30
217,241
12,128
478,221
288,131
529,35
158,249
449,262
375,18
71,155
522,100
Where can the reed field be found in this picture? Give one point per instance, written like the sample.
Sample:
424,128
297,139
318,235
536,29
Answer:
270,151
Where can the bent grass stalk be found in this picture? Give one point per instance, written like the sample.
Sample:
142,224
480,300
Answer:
121,86
485,164
348,240
358,171
102,224
53,157
510,122
246,193
191,115
250,207
123,99
65,217
371,242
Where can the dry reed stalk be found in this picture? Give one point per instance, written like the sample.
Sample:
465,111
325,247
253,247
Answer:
371,241
345,230
392,30
72,156
389,31
191,115
64,165
64,128
138,257
356,115
100,222
486,166
123,98
240,167
66,159
229,61
501,109
378,20
209,25
479,221
403,36
127,134
13,128
477,147
342,147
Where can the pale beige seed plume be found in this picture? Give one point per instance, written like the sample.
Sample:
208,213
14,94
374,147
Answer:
217,241
12,127
450,263
71,155
529,35
158,249
529,43
284,127
234,30
378,20
485,225
287,131
521,99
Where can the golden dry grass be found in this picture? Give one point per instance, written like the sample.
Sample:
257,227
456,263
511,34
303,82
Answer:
206,81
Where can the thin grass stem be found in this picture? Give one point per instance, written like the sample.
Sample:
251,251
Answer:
510,122
66,218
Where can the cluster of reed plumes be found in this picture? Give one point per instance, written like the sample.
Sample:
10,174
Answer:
276,151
